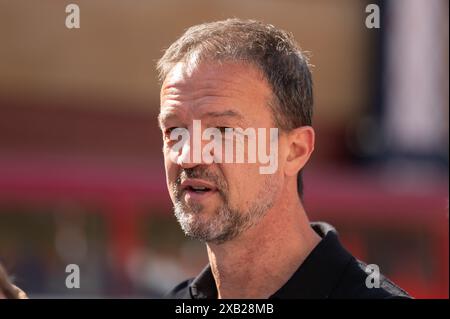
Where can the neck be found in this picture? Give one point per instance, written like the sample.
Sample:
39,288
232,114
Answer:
262,259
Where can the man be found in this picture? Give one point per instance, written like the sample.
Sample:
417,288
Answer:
230,75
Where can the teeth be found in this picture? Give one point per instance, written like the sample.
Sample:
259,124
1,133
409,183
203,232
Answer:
198,188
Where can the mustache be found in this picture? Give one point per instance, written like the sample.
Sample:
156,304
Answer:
205,174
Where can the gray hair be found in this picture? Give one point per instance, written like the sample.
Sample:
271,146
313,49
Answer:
273,51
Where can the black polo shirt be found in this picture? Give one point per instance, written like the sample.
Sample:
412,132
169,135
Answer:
329,271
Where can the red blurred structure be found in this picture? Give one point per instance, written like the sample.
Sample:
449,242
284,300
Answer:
357,204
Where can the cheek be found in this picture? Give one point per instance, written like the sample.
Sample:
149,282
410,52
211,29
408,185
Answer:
283,154
243,180
171,170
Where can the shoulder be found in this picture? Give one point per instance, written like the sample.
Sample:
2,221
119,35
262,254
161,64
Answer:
355,283
181,291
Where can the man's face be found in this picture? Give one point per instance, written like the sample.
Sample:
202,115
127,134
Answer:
215,202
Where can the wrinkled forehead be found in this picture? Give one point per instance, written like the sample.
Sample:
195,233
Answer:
214,76
214,82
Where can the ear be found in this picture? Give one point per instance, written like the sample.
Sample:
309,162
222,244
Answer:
300,147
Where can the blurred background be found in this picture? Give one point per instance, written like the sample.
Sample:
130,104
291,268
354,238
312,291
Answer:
81,168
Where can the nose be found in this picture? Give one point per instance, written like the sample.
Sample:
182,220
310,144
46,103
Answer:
185,157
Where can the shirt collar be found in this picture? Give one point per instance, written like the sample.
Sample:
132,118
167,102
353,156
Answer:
204,286
315,278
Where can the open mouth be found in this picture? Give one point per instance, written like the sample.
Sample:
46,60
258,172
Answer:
198,189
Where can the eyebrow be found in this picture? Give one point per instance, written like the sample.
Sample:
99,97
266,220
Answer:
162,117
166,116
227,113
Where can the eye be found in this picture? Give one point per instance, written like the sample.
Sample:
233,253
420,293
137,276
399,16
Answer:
169,130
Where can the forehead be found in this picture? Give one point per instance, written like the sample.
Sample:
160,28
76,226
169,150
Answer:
213,86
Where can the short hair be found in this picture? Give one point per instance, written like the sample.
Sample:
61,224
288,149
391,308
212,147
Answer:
273,51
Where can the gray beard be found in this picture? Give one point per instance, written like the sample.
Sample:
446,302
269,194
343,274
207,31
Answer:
226,223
